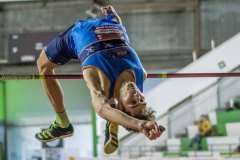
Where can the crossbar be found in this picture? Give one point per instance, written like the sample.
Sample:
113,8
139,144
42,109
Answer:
80,76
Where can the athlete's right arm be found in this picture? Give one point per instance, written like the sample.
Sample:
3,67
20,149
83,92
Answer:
149,128
110,10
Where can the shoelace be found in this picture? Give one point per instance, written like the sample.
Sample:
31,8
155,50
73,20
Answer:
50,128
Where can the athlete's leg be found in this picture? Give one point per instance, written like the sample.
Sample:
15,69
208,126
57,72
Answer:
61,127
51,86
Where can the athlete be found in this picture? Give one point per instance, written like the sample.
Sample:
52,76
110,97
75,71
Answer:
112,71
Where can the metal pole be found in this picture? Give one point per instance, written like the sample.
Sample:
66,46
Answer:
94,132
5,144
197,29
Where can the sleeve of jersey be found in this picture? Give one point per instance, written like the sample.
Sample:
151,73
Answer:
78,23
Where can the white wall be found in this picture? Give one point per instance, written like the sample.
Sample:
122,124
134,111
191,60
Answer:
172,91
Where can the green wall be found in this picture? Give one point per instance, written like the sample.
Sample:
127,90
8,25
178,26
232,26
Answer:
26,99
1,102
1,116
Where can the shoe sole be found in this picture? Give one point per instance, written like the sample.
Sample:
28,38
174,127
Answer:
112,144
55,138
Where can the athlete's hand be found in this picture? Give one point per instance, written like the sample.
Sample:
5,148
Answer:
151,129
108,9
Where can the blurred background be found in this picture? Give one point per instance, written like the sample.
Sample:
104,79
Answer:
201,115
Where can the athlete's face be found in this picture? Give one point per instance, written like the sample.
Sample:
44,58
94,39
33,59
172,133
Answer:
132,99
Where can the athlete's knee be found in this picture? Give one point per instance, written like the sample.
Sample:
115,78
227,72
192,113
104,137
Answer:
43,66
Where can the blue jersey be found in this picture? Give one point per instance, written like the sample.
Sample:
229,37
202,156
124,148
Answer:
85,33
104,44
100,43
113,61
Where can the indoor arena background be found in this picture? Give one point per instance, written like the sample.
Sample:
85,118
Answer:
170,36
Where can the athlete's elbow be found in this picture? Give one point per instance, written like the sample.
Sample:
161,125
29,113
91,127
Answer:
101,110
99,103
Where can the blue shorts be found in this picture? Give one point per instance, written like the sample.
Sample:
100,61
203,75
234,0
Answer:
59,50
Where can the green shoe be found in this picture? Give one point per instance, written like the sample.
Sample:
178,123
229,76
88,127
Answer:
54,132
111,138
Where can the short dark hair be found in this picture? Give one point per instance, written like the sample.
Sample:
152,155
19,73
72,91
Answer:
148,114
